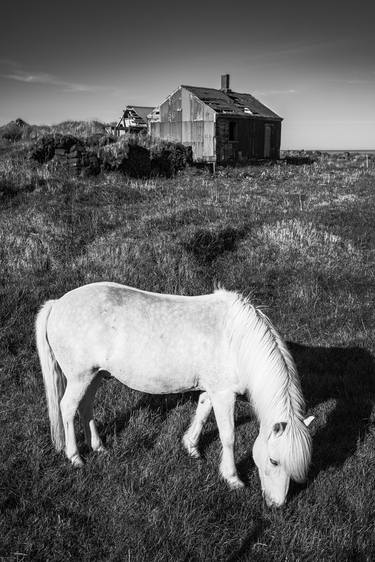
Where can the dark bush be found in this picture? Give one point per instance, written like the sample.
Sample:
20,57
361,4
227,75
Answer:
44,149
168,158
112,155
91,165
137,164
299,160
109,161
104,152
93,141
66,142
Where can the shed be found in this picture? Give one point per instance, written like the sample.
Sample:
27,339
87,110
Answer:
220,125
133,120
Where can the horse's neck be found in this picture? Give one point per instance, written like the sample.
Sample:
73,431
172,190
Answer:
267,370
273,406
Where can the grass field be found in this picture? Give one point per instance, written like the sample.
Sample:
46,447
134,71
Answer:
301,239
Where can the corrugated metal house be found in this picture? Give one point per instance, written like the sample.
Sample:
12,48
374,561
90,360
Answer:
221,126
134,119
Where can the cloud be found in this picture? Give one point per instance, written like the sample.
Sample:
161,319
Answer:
46,79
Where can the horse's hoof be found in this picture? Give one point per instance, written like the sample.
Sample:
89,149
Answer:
76,461
235,483
190,448
194,453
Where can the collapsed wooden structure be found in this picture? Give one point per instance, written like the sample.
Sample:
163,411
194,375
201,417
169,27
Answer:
133,120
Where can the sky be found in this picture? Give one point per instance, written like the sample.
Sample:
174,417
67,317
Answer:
313,63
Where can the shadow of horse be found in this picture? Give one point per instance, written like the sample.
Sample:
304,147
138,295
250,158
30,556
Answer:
344,377
162,404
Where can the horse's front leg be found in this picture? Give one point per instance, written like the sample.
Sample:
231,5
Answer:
223,404
191,437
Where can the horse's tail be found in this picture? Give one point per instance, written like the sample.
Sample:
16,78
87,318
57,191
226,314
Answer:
54,380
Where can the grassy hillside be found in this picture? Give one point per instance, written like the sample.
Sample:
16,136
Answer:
19,130
301,239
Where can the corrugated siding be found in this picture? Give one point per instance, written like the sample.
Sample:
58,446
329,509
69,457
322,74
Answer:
171,110
184,118
186,133
198,127
209,144
197,135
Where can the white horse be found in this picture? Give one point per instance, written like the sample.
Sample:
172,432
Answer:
218,343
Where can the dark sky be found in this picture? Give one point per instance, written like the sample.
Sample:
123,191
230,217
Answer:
311,62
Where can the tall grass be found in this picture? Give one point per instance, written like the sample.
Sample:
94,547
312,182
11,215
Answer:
301,241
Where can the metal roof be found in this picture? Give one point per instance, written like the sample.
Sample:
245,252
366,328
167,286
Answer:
229,102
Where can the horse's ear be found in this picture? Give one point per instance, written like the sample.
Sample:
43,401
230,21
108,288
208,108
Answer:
308,420
278,429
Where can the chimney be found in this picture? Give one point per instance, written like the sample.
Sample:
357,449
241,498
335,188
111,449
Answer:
225,82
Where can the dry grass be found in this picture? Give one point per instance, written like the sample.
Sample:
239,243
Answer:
301,239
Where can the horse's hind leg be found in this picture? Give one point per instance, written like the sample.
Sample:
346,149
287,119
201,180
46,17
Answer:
74,392
191,437
223,404
85,409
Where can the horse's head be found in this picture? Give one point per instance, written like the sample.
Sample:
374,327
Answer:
282,453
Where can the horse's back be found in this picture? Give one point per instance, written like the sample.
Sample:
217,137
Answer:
150,341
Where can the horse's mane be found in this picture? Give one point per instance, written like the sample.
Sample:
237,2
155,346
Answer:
272,380
296,450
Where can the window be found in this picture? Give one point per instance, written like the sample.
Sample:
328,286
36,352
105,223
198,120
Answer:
232,130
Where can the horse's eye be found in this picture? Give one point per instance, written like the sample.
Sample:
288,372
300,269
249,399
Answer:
275,463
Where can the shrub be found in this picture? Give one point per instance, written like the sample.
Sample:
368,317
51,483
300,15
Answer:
91,164
168,158
44,149
299,160
133,155
12,132
112,155
126,156
66,142
93,141
137,164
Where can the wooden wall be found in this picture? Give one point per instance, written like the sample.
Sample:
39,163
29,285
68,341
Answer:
240,139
